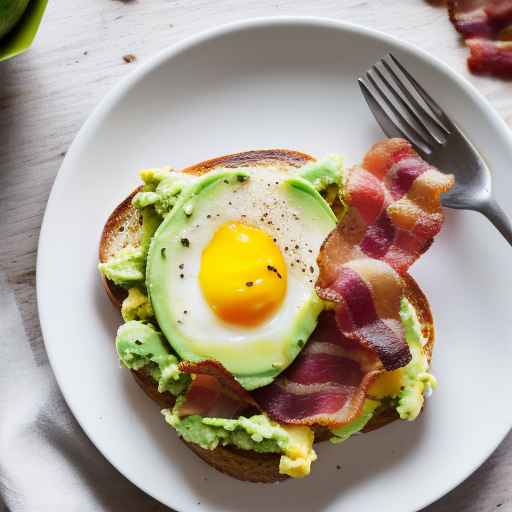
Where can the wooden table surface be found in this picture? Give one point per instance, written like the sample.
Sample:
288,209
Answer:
46,95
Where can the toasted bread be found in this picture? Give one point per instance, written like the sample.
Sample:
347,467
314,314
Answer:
123,227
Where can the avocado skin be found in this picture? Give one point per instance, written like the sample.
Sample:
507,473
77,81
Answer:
11,12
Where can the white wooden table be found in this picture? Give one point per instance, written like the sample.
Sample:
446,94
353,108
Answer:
46,95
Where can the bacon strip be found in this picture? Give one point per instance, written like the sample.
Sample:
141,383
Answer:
214,392
394,213
327,383
368,293
487,27
493,57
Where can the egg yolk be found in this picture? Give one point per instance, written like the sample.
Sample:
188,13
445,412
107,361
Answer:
243,274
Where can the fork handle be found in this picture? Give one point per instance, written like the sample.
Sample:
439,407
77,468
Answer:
493,211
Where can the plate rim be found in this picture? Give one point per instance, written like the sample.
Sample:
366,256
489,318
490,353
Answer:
116,93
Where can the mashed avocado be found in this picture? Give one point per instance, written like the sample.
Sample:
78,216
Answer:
416,379
136,306
160,192
162,189
257,433
140,345
324,173
127,268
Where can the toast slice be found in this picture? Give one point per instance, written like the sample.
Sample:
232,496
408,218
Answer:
123,228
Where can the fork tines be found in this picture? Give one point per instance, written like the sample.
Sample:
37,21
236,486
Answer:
402,107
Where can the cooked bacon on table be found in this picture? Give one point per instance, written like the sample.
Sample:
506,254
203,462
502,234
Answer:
486,25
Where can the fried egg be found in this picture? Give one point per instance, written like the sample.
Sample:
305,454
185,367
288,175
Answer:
232,270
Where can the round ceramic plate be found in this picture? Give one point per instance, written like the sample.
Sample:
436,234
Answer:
281,82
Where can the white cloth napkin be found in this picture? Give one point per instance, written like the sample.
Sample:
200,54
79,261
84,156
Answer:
46,461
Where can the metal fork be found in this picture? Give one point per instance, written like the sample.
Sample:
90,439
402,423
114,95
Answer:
413,114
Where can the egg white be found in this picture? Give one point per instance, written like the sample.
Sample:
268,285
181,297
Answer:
265,201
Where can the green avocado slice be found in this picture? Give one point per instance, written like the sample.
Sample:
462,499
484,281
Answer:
255,363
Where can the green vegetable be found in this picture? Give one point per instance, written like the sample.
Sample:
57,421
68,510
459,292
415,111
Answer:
416,379
136,306
162,189
10,13
256,433
357,424
126,268
323,173
19,23
140,345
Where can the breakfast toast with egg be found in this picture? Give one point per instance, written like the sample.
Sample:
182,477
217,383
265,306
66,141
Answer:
124,228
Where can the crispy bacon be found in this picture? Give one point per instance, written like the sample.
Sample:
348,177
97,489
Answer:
394,211
368,294
393,214
214,392
469,18
494,57
327,383
487,27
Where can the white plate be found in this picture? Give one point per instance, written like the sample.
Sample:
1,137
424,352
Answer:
281,82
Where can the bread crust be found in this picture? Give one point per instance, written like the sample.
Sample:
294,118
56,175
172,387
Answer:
120,229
